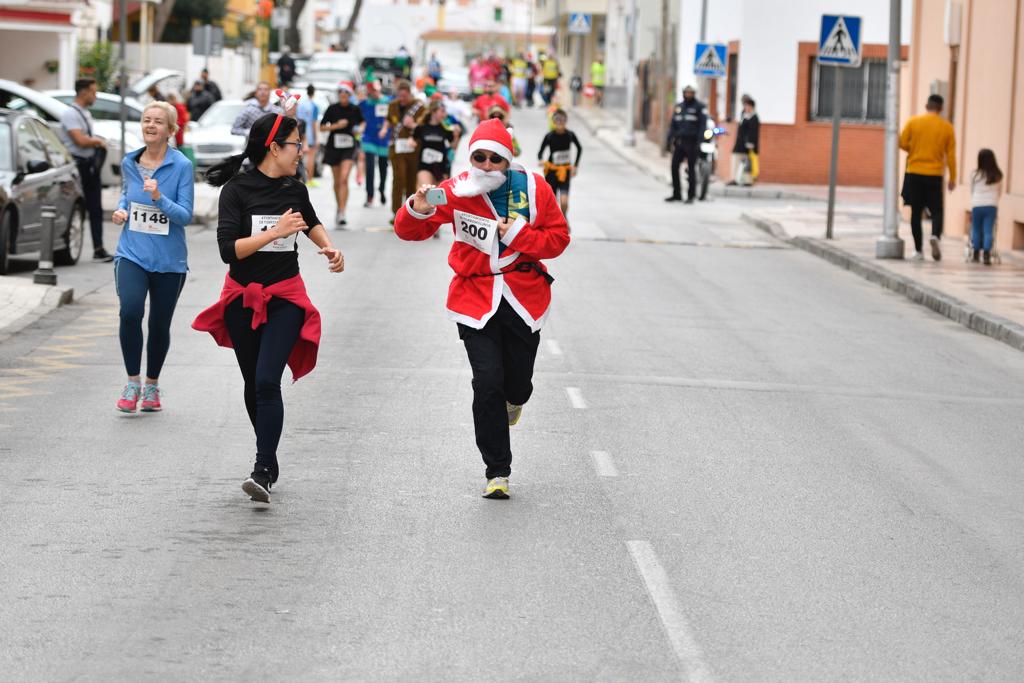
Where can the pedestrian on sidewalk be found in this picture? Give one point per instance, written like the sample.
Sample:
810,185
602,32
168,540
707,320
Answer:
375,150
263,312
745,151
151,258
505,220
404,114
308,113
597,79
559,167
986,186
689,121
89,152
930,144
340,125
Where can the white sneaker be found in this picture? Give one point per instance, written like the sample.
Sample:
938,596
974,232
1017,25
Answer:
918,256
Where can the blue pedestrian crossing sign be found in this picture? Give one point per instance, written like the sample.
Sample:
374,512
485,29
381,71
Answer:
710,60
580,23
840,41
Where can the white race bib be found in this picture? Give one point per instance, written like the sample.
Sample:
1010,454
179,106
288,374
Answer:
432,156
380,110
342,141
561,158
266,222
475,230
148,219
404,146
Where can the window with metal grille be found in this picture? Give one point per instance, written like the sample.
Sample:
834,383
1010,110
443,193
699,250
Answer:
863,96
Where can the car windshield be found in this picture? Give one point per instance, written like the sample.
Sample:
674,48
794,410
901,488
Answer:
222,114
5,147
328,76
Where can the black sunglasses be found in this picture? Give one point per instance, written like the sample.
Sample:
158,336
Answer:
480,157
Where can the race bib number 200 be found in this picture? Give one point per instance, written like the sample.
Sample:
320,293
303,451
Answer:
475,230
262,223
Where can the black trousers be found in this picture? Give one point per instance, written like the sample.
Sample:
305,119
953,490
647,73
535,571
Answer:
685,149
373,164
502,356
92,189
922,191
262,354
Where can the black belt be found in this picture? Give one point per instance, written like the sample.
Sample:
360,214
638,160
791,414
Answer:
522,267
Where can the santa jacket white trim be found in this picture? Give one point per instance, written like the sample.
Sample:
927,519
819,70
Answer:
474,294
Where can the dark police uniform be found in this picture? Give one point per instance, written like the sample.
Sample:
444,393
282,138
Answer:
689,120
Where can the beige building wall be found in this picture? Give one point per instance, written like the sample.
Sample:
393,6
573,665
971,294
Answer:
987,83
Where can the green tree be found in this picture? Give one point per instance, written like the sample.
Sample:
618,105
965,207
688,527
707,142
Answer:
177,26
99,61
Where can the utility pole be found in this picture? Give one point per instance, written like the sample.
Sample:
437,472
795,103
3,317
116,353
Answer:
890,245
630,139
122,29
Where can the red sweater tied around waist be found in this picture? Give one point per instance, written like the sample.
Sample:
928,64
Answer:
255,297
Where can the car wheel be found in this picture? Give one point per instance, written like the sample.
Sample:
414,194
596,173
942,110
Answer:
74,237
6,223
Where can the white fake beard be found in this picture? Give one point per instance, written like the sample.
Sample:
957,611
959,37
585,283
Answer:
478,182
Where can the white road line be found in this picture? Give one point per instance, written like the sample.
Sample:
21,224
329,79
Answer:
603,463
553,348
576,398
677,628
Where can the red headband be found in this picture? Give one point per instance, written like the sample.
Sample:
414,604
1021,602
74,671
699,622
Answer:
273,131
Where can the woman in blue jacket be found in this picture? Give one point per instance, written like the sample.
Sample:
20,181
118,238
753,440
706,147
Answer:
152,255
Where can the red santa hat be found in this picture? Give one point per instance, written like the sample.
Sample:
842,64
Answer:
492,136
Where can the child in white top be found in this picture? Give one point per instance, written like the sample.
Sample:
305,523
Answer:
986,186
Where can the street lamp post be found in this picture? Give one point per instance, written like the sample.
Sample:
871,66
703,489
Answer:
890,245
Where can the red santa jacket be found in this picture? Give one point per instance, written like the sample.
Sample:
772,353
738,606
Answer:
474,293
255,296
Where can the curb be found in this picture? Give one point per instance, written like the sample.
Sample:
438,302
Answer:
54,298
971,317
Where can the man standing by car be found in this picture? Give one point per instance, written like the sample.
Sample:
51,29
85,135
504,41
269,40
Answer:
90,152
199,100
209,86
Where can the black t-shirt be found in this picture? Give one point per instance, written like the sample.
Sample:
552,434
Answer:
336,112
254,194
437,138
560,143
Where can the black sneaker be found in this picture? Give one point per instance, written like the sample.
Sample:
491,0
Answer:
673,198
258,485
383,202
689,200
101,256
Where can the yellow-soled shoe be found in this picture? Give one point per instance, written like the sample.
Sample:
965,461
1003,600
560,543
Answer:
497,488
514,412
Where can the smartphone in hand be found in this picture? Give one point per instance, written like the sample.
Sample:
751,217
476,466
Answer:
436,197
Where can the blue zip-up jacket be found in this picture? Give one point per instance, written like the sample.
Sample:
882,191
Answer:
158,253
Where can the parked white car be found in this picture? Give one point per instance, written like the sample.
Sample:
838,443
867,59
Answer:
210,137
50,110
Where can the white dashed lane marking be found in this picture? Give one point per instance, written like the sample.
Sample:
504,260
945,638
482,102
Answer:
677,628
603,464
576,398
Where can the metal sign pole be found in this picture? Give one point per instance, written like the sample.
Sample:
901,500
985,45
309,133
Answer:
122,29
837,100
890,245
207,44
630,139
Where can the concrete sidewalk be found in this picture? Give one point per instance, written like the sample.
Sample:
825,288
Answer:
988,299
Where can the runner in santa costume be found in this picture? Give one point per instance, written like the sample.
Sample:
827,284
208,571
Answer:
505,221
263,312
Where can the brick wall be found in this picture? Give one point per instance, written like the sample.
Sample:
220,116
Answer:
800,153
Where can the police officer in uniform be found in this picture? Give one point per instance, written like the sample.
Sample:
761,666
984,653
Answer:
689,119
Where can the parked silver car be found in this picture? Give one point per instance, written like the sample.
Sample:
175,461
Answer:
35,170
210,137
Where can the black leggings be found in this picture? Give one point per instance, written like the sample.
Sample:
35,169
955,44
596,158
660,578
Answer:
374,163
262,355
502,355
133,283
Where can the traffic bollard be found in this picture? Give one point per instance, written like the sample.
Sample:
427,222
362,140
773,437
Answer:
45,274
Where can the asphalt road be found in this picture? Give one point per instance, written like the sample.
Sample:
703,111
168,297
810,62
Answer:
740,463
